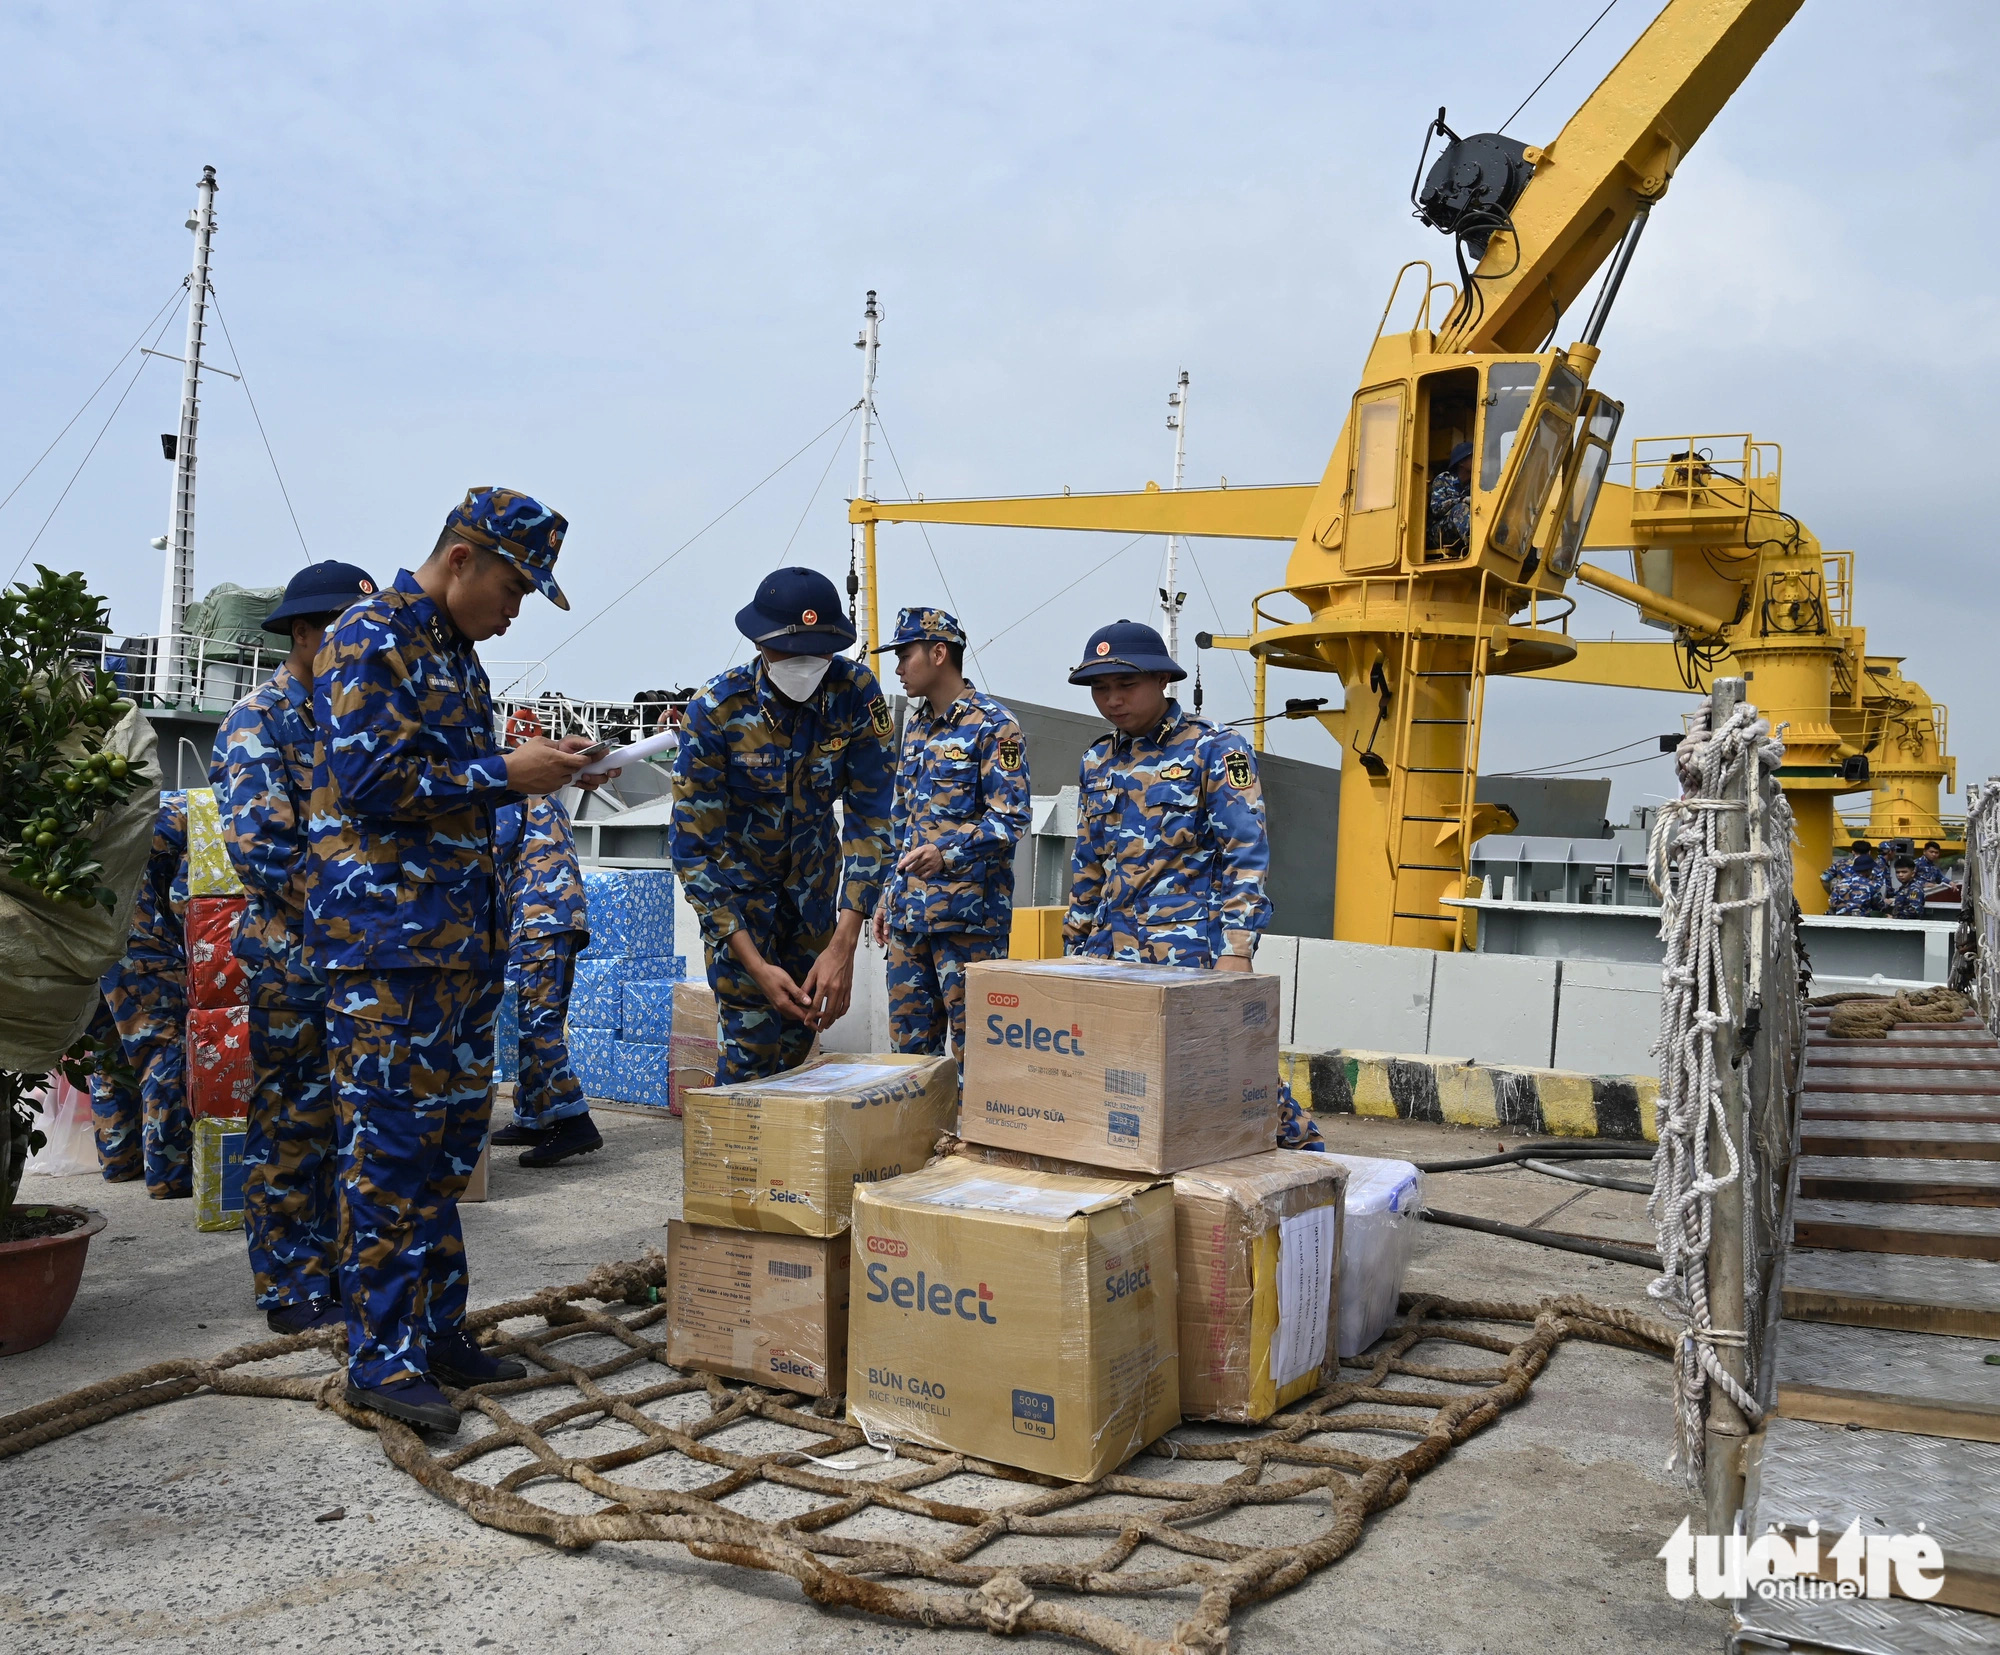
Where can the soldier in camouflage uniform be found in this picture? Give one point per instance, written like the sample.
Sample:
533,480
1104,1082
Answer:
1171,851
781,886
1855,889
961,804
406,918
262,772
1930,865
117,1109
1905,898
147,993
549,924
1449,526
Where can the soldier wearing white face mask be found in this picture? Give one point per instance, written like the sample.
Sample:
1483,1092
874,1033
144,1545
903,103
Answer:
780,883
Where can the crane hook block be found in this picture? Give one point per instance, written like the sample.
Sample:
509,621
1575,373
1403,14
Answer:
1472,185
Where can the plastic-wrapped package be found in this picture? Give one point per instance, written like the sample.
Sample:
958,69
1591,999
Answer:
218,1172
655,968
639,1073
590,1058
215,976
649,911
771,1309
210,872
648,1017
691,1044
604,901
220,1079
1384,1199
1017,1316
597,993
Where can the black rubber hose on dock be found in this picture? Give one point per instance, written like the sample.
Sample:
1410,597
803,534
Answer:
1644,1257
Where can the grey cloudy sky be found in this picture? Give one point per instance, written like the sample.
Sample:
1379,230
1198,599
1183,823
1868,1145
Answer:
615,255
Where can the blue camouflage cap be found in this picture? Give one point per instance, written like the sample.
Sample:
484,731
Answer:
924,626
319,589
522,530
1125,646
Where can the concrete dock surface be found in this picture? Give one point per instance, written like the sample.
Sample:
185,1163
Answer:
195,1525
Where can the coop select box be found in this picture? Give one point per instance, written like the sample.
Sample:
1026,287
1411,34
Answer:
1257,1244
1133,1067
1017,1316
770,1309
786,1154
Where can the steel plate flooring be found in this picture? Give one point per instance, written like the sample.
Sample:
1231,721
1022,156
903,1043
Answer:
1887,1407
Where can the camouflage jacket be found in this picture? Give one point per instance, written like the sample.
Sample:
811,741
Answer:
755,782
1856,892
1906,901
158,944
1449,525
537,854
408,778
962,786
262,772
1170,847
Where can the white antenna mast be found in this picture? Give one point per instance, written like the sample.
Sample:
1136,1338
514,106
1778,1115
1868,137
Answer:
178,591
864,489
1171,595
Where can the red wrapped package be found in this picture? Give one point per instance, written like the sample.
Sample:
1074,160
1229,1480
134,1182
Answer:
215,975
219,1074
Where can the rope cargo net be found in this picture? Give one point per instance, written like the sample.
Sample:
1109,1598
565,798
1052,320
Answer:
1727,771
604,1441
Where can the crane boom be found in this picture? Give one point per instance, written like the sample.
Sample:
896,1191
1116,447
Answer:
1617,151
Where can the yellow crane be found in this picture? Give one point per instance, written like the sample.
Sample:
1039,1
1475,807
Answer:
1748,590
1414,626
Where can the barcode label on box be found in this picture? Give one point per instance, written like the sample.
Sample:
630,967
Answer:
1127,1083
785,1267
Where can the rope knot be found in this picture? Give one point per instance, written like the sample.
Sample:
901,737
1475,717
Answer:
1001,1603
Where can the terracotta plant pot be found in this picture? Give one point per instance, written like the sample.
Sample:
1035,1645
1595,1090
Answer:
38,1279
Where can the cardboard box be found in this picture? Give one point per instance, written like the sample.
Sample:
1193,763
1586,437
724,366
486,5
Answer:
590,1060
648,1014
597,993
787,1153
1259,1247
770,1309
218,1172
1018,1316
691,1043
219,1073
1134,1067
215,976
1257,1250
639,1073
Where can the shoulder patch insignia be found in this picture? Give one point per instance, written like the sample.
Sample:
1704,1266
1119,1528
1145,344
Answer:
878,716
1008,749
1238,767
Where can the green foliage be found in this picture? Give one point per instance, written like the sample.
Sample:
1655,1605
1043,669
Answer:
56,782
56,779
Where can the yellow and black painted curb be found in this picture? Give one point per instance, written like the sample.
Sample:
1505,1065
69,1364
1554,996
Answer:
1532,1102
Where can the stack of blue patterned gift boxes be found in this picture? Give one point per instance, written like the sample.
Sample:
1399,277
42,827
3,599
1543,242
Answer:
621,1007
621,1002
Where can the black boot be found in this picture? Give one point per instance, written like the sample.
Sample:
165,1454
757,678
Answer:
303,1318
457,1360
415,1402
515,1133
578,1135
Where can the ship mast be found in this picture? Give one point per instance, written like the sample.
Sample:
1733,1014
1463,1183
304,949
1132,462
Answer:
868,622
1171,595
178,590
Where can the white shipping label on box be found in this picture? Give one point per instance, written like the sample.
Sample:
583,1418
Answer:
1308,1244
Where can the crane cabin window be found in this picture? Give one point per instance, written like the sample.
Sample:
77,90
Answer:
1510,392
1376,446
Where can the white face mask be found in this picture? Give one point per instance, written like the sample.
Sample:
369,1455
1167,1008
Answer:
798,676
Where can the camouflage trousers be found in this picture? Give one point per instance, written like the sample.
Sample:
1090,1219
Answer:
291,1215
117,1110
151,1012
927,986
540,970
1296,1128
412,1061
754,1040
